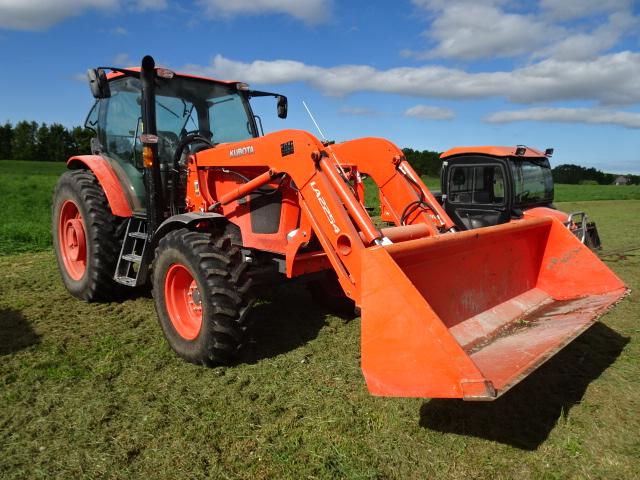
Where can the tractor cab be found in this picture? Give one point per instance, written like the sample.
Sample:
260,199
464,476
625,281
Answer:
212,111
485,186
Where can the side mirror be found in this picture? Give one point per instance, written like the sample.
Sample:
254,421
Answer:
98,83
282,106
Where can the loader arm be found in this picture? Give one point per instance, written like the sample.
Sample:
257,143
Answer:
400,187
340,222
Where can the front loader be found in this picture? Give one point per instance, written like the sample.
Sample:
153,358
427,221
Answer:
182,189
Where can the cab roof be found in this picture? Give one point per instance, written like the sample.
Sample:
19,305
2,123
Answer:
491,151
112,75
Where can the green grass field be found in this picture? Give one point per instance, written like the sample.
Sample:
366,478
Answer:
577,193
93,391
25,204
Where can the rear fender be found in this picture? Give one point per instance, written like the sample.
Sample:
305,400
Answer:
108,180
187,220
193,220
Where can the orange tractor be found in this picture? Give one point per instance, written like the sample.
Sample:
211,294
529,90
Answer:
487,185
182,189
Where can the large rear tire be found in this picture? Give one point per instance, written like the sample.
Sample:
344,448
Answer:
85,237
201,293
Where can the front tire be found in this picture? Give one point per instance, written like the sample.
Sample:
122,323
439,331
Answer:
85,237
201,293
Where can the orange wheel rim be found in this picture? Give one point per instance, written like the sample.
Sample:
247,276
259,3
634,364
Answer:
183,300
72,240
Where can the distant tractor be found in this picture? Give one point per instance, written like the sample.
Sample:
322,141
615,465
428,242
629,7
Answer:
485,186
183,190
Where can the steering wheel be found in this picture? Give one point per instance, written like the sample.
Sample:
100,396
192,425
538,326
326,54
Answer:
190,141
202,132
523,195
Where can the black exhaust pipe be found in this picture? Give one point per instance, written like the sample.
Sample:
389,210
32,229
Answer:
149,138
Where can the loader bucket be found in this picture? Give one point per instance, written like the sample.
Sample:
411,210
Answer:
469,315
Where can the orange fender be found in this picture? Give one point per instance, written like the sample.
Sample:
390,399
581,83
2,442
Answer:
108,180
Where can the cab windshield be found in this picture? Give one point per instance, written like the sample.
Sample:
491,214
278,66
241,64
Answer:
215,110
533,182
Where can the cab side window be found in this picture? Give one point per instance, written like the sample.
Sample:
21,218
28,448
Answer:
482,185
121,119
92,119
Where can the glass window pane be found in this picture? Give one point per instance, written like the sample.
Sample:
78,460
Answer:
228,119
182,105
533,181
123,111
483,185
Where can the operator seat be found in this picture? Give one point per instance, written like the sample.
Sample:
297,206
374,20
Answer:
167,145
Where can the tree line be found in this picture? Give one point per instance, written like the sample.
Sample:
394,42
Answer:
575,174
424,162
56,143
42,142
429,163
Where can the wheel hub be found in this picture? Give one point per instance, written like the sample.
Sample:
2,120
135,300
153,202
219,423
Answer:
183,301
75,239
72,242
194,299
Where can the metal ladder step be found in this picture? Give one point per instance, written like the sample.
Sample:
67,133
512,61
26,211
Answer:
140,235
132,267
129,282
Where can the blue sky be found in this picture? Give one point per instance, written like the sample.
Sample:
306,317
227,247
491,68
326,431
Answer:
427,74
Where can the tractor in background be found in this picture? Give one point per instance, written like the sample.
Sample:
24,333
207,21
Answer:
489,185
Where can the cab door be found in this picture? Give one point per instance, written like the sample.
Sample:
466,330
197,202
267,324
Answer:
477,194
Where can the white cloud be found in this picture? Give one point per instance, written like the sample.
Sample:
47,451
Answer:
122,60
430,112
583,46
119,31
568,115
572,9
309,11
42,14
608,79
150,4
79,77
469,31
440,4
359,111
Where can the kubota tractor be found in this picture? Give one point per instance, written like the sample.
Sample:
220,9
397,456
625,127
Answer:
182,189
484,186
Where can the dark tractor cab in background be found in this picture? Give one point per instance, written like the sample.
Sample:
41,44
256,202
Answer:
488,185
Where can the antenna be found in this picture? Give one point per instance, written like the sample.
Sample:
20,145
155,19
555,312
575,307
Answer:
314,121
325,143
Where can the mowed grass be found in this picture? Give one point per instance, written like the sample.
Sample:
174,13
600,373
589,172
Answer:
93,391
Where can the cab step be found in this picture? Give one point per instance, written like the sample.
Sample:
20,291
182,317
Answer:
133,264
